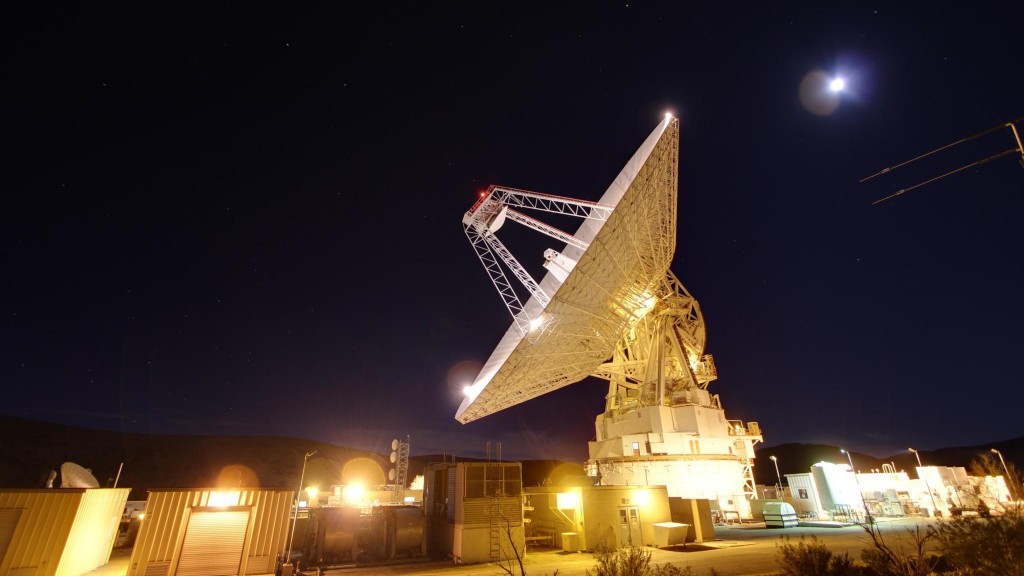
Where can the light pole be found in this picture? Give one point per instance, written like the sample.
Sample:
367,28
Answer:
929,488
1013,485
295,517
777,475
867,512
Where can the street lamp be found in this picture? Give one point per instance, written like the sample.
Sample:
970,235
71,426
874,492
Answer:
295,517
777,475
857,482
1007,471
935,508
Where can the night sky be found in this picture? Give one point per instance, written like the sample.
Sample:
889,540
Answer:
243,220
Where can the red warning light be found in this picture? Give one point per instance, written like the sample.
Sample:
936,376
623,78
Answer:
482,193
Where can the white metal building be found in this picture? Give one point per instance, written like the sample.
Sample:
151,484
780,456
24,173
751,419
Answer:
939,490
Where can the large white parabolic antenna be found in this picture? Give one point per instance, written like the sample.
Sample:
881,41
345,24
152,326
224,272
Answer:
602,283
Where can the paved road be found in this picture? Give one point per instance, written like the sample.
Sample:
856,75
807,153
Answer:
738,551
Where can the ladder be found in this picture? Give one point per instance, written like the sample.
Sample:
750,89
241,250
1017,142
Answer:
494,494
494,528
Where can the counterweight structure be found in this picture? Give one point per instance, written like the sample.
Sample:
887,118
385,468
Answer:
609,307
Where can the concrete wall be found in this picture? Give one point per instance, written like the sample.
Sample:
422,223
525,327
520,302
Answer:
597,514
696,513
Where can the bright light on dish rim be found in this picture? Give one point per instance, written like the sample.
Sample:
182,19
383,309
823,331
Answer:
535,323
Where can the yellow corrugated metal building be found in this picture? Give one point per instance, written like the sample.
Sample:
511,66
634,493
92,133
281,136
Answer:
213,531
58,532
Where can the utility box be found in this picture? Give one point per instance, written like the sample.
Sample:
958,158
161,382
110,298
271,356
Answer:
570,542
779,515
670,534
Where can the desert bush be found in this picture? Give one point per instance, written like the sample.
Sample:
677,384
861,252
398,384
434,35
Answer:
892,558
629,561
985,546
635,561
810,557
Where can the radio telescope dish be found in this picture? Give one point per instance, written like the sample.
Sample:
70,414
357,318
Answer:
610,307
74,476
602,283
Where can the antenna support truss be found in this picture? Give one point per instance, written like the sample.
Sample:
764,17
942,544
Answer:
498,205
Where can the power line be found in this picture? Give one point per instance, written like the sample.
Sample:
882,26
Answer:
1010,125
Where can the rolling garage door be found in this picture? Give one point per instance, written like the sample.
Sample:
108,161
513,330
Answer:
8,523
213,542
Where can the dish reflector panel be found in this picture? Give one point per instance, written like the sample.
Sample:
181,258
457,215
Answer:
74,476
610,287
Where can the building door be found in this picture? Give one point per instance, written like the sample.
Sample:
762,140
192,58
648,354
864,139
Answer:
629,526
213,543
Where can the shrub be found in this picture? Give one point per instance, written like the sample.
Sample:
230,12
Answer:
635,561
810,557
630,561
887,559
982,547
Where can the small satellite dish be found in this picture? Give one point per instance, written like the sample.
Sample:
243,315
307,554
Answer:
602,283
394,457
74,476
391,474
394,445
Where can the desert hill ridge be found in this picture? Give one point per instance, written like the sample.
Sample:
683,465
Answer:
29,448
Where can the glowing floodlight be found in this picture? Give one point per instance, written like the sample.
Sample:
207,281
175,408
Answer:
567,500
837,85
224,498
534,324
353,493
642,497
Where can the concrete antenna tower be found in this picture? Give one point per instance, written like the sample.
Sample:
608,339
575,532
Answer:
610,307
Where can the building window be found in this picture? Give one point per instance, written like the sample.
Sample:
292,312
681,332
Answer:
493,480
803,493
636,448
